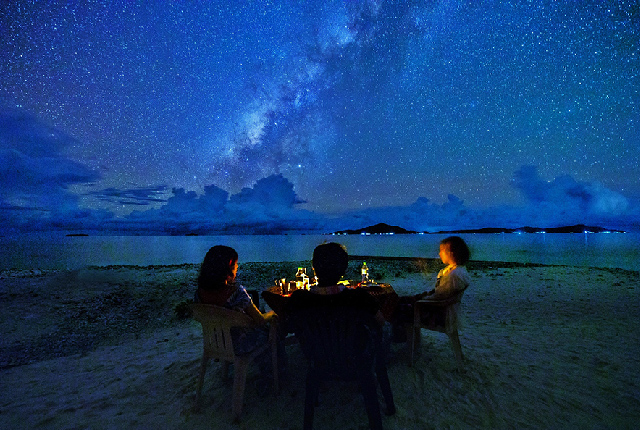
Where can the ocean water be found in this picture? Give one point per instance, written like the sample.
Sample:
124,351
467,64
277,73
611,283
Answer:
614,250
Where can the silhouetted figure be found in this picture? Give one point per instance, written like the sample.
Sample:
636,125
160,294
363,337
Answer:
353,316
217,286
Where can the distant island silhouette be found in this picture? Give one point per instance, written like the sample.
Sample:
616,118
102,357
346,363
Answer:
578,228
380,228
383,228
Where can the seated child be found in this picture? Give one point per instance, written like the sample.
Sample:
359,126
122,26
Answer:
451,280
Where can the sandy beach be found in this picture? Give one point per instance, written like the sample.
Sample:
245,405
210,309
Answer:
104,348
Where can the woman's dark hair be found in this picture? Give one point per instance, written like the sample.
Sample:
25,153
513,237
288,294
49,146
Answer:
458,248
217,267
330,261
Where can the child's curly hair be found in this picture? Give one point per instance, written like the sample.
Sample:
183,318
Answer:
458,248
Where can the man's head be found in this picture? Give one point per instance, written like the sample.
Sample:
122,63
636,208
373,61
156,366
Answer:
330,262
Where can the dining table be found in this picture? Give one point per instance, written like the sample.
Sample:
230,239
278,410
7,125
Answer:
383,293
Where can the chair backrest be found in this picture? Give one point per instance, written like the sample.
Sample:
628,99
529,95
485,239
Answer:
216,324
337,340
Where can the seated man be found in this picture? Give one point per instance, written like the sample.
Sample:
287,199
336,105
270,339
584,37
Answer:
330,262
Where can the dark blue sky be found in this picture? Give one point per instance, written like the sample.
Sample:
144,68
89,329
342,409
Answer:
261,115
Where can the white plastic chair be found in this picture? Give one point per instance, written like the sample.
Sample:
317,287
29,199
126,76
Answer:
439,315
216,324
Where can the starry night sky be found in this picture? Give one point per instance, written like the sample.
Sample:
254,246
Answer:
253,116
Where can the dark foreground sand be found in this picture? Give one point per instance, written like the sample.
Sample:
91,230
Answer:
546,347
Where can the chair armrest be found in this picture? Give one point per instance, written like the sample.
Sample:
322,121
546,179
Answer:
214,314
441,303
437,303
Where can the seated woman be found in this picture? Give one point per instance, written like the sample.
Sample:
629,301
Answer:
454,278
217,286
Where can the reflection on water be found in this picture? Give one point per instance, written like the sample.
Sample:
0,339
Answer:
60,252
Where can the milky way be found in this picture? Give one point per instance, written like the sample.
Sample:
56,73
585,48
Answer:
432,110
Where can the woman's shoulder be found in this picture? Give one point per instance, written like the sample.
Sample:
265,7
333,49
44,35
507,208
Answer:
239,293
240,289
239,299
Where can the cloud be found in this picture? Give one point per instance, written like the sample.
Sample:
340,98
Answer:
34,171
562,201
32,159
266,207
567,198
35,176
273,191
422,215
270,206
188,204
142,196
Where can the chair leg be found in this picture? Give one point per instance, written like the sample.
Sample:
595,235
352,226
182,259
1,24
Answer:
414,338
239,382
274,368
310,399
385,387
273,340
225,370
203,370
457,349
370,395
